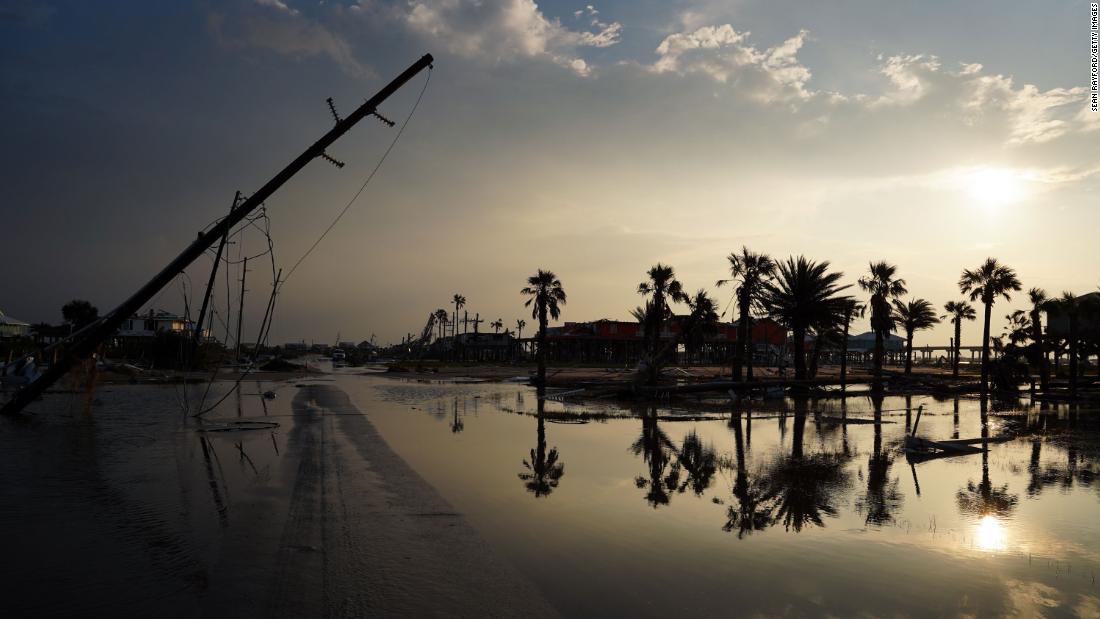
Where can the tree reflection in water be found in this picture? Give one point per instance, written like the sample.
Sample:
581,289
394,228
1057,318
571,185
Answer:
543,470
753,511
883,497
699,461
804,487
983,498
657,452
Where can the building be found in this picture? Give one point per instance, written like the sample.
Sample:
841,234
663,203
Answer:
1088,318
865,343
153,322
12,327
617,341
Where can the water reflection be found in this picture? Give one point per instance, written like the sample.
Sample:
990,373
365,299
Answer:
543,470
984,499
752,510
990,534
805,487
657,451
882,497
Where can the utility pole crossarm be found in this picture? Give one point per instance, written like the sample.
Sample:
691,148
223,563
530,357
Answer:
86,345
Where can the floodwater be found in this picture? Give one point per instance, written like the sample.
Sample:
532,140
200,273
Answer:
763,509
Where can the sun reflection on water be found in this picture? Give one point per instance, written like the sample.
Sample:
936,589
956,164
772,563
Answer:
990,534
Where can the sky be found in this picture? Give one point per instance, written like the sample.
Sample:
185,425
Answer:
590,140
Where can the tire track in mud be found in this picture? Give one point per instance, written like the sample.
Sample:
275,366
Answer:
387,543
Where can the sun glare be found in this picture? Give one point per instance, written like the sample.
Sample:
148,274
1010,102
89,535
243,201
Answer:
995,186
990,534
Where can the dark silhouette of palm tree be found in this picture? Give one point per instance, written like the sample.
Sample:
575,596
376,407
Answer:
989,281
497,325
1070,306
700,323
658,453
851,309
753,511
916,315
749,271
958,311
803,295
520,324
459,302
546,295
1038,299
544,469
441,319
663,289
884,285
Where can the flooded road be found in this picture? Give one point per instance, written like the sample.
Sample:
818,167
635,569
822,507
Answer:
375,496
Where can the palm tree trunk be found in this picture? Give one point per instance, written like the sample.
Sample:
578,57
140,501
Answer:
908,352
542,344
1073,361
879,353
742,336
844,354
985,347
1040,343
799,354
958,347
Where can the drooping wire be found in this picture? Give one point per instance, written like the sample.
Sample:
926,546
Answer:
278,283
366,182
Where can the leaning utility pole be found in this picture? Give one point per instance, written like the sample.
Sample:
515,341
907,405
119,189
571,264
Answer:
87,343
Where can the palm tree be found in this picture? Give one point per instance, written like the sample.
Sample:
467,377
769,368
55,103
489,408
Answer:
1039,300
884,285
701,322
916,315
851,309
749,271
803,295
663,288
459,302
441,318
497,325
520,324
989,281
958,311
546,295
1069,305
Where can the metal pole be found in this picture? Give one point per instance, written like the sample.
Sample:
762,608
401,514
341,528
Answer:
240,309
210,287
87,344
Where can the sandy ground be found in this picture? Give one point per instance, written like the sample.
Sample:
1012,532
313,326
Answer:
365,535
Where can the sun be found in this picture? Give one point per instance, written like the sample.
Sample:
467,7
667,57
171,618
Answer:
995,186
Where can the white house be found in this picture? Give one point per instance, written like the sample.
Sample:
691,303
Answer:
11,327
153,322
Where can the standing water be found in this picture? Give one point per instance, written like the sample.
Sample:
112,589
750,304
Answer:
793,508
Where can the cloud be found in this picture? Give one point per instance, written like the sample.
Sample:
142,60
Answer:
275,26
724,54
498,31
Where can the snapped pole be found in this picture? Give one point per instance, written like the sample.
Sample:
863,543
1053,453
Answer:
86,345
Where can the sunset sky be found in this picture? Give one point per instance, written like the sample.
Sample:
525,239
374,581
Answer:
591,140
